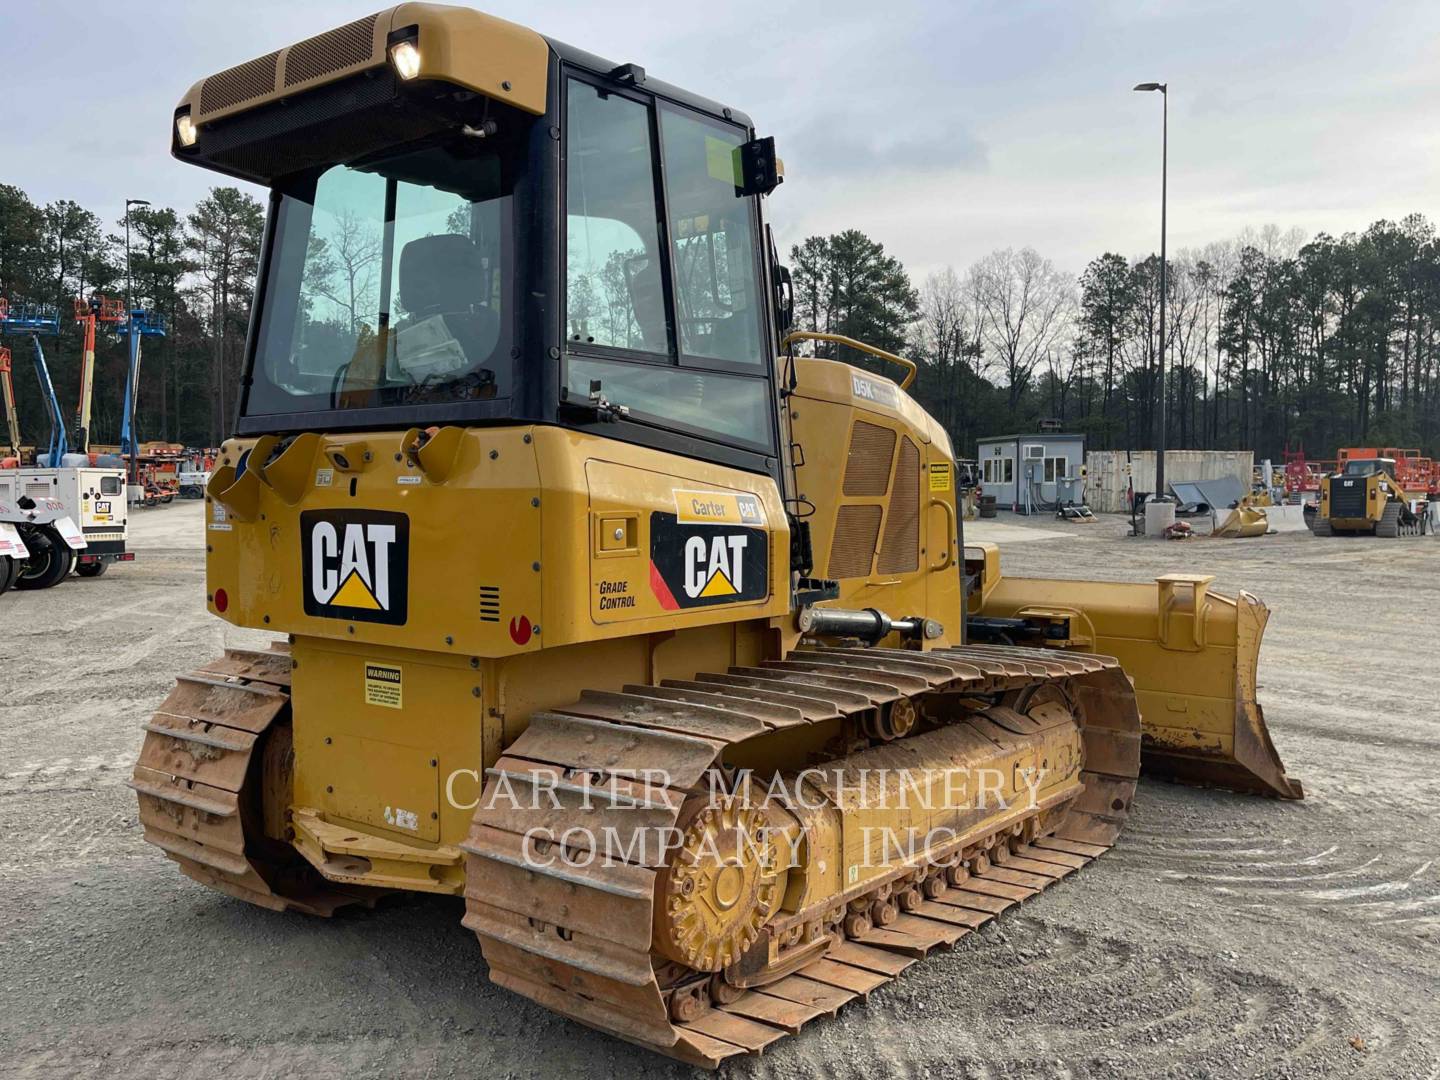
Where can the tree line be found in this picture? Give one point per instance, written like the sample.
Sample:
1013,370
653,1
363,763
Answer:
1273,341
196,270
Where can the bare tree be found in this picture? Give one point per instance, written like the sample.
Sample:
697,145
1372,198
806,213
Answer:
352,251
943,334
1026,305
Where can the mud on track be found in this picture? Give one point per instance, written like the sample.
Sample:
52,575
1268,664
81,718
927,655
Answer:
1224,936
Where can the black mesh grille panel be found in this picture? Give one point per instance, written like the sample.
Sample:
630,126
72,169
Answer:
1348,501
249,80
335,50
334,123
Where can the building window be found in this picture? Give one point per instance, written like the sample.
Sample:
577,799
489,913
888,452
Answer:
999,470
1056,468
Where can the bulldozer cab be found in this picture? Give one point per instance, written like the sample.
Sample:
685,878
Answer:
473,224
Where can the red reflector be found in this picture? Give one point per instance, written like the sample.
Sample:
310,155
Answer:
129,556
222,600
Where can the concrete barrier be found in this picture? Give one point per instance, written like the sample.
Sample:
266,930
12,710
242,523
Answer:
1159,516
1285,518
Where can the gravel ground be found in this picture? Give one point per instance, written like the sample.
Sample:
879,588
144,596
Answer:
1224,936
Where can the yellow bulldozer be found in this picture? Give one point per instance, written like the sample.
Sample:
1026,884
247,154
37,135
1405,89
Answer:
603,609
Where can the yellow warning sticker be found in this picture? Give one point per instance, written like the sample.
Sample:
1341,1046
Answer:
384,685
940,476
719,508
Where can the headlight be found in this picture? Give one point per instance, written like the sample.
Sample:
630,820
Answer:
185,129
405,55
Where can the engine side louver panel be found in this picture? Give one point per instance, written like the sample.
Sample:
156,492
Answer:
867,467
900,553
852,552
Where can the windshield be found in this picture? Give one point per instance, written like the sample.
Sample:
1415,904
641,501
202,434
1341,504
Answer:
389,283
1369,467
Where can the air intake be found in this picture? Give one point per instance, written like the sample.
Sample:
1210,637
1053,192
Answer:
325,54
852,551
239,84
900,554
489,603
867,467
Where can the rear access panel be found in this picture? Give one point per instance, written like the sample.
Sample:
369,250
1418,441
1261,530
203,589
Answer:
377,734
384,785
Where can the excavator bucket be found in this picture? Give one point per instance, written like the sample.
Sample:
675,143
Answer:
1192,654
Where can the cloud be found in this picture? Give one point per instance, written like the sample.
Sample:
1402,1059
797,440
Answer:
943,128
832,145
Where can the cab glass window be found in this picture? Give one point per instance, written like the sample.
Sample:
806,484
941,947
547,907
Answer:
712,239
1367,467
614,285
733,406
387,284
646,255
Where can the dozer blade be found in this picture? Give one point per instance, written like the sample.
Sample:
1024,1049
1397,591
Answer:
1191,652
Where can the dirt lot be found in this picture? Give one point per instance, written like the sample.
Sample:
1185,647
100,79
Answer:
1224,936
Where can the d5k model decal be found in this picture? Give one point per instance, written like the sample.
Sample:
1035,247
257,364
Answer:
692,565
356,564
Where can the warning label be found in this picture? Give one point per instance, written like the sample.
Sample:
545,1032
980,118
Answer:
940,476
383,685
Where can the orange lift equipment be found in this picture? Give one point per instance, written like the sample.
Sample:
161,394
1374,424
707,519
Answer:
98,309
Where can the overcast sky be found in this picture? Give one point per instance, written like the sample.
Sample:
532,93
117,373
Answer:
944,130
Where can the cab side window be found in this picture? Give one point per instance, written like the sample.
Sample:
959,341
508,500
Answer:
614,293
661,286
713,240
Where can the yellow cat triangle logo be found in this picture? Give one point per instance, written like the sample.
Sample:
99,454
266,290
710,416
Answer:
718,585
354,594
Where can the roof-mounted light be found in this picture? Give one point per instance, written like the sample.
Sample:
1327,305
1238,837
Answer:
185,129
405,56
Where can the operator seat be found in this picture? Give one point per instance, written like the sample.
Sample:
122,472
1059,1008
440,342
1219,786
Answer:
647,301
444,276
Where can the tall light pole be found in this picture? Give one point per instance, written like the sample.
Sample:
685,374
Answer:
128,204
1164,179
